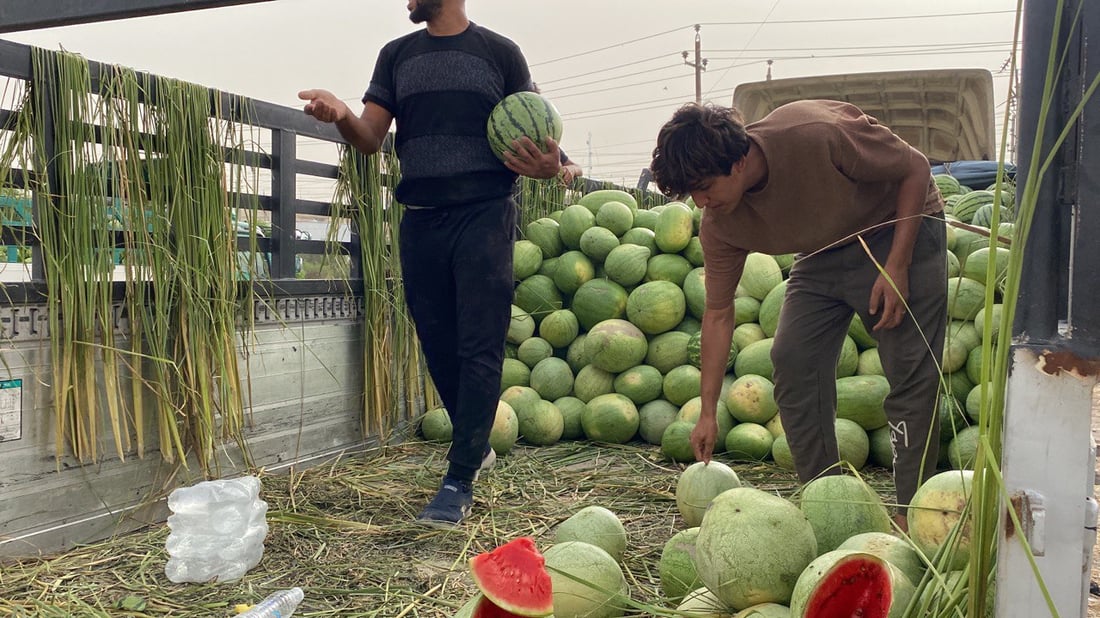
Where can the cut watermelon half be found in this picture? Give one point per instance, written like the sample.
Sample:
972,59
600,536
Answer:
850,583
514,580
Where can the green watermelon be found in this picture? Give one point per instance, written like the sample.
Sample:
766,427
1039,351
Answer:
539,296
840,506
526,259
575,356
750,399
575,220
552,378
698,485
610,418
505,431
676,441
968,205
521,326
560,328
755,358
626,264
541,425
597,242
695,292
646,219
514,373
654,418
694,251
596,525
694,348
853,443
586,581
656,307
749,442
770,307
643,237
747,333
676,568
965,297
573,270
522,114
681,384
591,381
752,546
615,345
594,199
668,351
598,300
544,232
668,267
615,216
936,510
674,228
762,273
746,310
640,384
436,425
860,399
533,350
571,409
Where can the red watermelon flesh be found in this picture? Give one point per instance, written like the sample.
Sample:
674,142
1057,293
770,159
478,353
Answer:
514,581
852,588
487,609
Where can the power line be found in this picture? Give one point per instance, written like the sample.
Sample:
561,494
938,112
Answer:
606,79
613,46
747,43
855,19
894,46
605,69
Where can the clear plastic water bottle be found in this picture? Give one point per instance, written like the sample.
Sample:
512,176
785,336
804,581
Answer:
277,605
218,530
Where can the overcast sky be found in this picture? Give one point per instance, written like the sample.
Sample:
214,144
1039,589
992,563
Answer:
614,68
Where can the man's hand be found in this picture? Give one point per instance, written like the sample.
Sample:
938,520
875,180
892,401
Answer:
526,159
884,298
324,106
703,437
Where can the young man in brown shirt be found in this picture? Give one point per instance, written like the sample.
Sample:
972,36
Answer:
813,178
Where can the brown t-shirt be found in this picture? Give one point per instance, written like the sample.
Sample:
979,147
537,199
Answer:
833,171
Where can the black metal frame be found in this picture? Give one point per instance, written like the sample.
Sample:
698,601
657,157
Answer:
285,125
16,15
1061,277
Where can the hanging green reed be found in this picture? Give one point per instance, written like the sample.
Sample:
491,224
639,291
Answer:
146,180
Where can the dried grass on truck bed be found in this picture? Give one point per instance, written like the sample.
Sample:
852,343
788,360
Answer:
343,531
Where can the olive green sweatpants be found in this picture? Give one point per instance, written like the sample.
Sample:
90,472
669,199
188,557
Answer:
823,291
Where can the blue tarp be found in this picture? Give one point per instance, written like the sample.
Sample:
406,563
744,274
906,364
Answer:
974,174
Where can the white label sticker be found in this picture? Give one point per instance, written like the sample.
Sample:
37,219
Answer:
11,409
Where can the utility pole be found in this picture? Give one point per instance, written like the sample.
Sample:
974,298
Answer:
589,143
699,65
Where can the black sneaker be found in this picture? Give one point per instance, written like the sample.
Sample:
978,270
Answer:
450,506
487,462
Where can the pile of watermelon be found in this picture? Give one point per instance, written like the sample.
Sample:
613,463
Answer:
604,338
604,346
828,551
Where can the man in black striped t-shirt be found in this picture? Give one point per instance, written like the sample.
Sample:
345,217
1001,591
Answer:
457,234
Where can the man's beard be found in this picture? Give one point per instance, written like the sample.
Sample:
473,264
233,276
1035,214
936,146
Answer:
426,10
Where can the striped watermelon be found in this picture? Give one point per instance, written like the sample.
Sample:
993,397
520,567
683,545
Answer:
970,203
522,114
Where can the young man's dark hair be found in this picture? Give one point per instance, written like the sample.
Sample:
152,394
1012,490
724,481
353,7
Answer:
827,182
698,143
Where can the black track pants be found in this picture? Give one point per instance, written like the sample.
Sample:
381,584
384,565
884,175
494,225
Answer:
457,268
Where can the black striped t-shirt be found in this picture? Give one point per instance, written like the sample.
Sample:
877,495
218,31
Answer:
440,91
